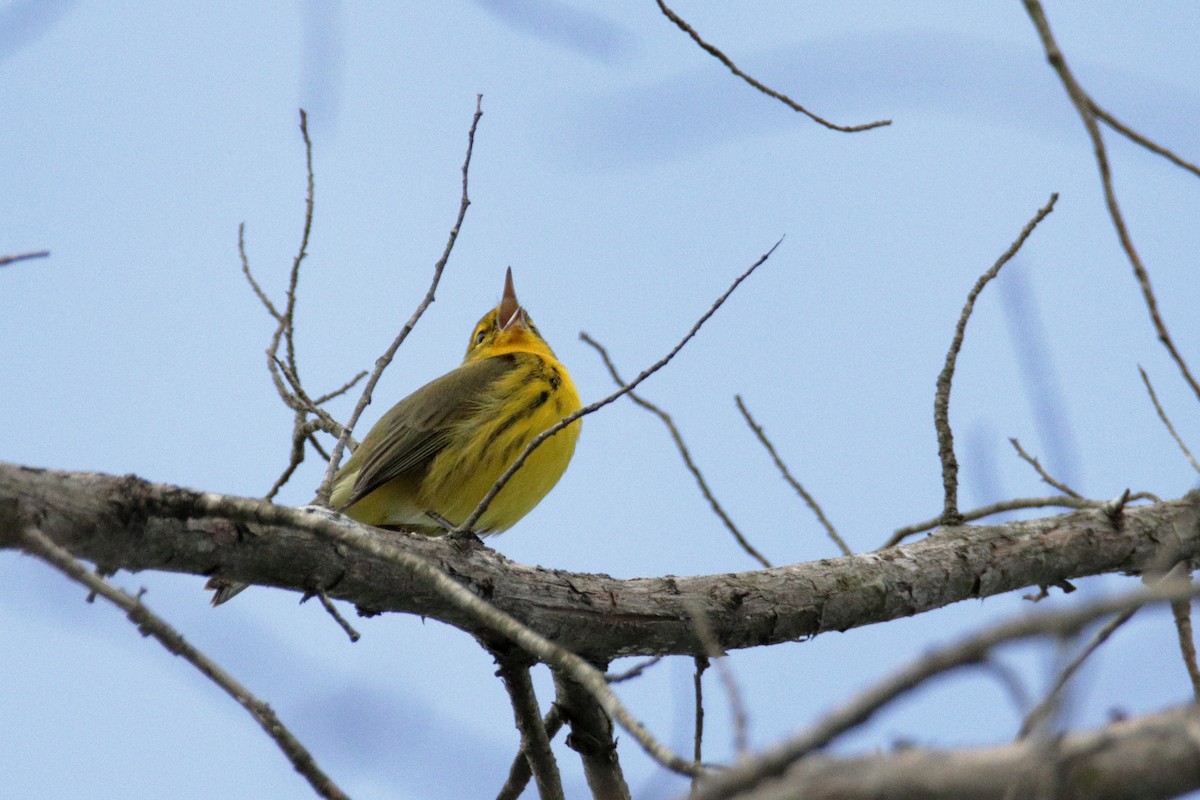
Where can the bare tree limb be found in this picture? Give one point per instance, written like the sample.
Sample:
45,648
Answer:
150,624
1153,757
520,773
535,739
767,90
592,737
737,780
128,523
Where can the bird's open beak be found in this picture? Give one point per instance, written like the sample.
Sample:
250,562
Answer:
508,313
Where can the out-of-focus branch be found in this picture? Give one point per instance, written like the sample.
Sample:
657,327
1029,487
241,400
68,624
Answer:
6,260
150,624
738,780
1153,757
535,739
592,737
520,772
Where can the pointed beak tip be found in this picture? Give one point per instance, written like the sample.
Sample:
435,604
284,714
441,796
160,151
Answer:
509,307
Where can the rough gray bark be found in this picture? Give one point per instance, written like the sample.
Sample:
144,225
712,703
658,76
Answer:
1149,757
128,523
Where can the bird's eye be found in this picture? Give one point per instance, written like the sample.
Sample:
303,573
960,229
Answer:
479,337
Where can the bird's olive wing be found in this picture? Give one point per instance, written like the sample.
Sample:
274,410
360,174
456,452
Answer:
409,436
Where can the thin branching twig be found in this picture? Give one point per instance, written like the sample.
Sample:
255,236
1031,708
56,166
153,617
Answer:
1041,471
150,624
1087,109
1137,138
767,90
1054,501
633,672
1162,415
677,437
385,359
941,400
1042,710
466,525
809,500
331,609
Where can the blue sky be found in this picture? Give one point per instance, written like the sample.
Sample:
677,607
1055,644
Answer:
627,178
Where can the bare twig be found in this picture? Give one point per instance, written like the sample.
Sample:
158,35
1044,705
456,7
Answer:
385,359
6,260
1087,112
1162,415
971,650
787,476
1182,612
150,624
331,609
941,402
535,740
520,773
677,437
783,98
1054,501
289,330
634,671
588,409
1137,138
1034,718
1041,471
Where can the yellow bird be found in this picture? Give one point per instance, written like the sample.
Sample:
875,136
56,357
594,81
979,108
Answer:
437,452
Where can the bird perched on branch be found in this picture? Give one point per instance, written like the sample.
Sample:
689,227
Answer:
429,460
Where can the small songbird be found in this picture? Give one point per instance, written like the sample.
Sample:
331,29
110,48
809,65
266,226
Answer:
436,453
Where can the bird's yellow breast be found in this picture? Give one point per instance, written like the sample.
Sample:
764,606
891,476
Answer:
527,400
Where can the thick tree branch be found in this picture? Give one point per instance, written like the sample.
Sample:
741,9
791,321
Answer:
128,523
1149,757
